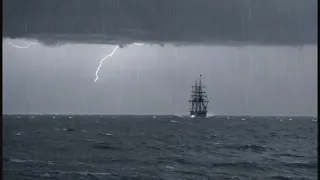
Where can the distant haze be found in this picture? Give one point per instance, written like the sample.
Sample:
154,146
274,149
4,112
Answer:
256,57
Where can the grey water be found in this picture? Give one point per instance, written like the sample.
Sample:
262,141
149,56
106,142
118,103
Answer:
158,147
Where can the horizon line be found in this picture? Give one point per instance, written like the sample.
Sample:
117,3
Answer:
216,115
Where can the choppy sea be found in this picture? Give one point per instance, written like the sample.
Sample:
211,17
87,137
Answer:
158,147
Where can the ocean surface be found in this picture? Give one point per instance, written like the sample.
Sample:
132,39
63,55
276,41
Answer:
158,147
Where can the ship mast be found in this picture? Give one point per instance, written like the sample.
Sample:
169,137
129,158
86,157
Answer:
199,99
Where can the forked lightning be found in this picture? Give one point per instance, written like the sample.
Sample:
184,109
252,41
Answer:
21,47
111,54
101,62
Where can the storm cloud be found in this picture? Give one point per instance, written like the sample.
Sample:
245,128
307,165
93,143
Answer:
162,21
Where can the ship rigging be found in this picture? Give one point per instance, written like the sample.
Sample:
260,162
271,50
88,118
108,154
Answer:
198,101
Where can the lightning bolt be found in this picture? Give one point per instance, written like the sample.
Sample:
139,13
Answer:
111,54
21,47
101,62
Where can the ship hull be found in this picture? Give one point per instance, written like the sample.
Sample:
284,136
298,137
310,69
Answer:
198,114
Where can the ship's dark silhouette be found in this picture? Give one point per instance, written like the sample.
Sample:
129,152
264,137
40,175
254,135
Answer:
199,100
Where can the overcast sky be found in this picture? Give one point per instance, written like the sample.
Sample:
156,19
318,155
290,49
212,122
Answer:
206,21
265,66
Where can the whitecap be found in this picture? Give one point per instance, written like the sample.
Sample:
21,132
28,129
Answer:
210,115
19,160
19,133
173,121
46,175
169,167
105,134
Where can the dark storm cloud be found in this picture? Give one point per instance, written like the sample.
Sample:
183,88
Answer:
162,21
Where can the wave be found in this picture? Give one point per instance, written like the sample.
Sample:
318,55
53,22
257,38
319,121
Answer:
64,129
296,136
104,134
281,177
80,175
105,146
189,172
95,141
306,165
252,147
210,115
27,161
173,121
243,164
186,115
49,173
85,131
286,155
180,116
69,129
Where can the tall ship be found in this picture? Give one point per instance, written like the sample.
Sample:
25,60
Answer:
198,101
